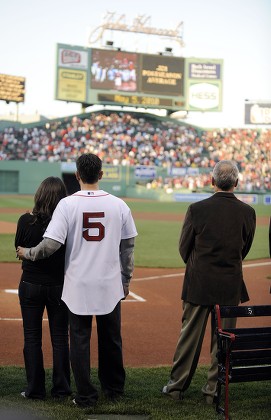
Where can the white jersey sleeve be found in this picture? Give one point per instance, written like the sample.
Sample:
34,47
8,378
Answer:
128,228
58,226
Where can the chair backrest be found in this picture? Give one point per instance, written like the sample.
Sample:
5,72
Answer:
241,311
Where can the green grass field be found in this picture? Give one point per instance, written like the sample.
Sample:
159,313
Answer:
142,397
157,242
156,246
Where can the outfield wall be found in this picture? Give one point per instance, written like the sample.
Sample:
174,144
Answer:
20,177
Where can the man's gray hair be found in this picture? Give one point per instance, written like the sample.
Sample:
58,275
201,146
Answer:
225,174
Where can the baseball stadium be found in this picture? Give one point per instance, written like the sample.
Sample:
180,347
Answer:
134,108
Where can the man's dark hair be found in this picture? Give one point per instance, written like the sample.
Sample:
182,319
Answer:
89,167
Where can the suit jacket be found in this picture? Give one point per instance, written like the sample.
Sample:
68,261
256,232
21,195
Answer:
216,236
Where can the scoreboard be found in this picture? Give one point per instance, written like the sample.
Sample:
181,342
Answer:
114,77
12,88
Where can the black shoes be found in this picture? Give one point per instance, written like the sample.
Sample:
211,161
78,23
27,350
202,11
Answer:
32,397
89,404
174,395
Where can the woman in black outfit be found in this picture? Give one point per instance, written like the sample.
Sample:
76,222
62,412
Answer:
41,287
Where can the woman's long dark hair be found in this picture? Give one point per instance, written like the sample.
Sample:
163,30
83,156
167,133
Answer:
47,196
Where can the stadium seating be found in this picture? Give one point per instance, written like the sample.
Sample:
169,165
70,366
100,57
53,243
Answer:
133,138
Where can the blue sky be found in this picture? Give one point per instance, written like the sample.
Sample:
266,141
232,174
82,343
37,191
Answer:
238,31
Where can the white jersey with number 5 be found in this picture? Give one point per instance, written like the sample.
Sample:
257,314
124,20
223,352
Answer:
92,223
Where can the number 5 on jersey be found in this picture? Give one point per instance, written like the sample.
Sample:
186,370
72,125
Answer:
89,224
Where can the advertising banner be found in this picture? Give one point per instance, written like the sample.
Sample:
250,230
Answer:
111,173
203,84
71,85
258,113
145,172
76,58
71,73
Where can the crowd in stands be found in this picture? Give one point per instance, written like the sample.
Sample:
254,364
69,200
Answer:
141,139
192,183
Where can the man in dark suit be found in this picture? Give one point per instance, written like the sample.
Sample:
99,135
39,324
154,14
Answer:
216,236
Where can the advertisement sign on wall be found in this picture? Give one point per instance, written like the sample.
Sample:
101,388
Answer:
71,85
203,84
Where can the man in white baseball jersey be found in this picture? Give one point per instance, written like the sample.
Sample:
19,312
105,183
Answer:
99,233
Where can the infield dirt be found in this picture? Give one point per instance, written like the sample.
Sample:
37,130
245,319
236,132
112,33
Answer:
151,316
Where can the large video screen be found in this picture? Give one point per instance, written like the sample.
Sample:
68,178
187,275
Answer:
131,72
114,77
114,70
127,78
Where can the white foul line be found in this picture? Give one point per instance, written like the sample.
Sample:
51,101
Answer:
17,319
257,264
158,277
138,298
162,276
14,291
